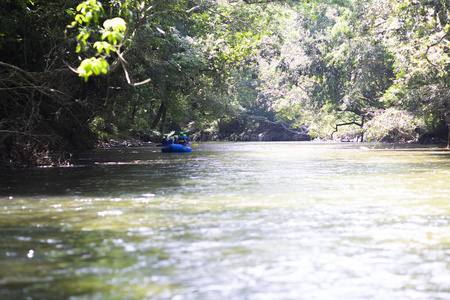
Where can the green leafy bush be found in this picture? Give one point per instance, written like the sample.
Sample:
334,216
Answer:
392,125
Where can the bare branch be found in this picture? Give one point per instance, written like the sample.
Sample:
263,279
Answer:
303,131
345,124
433,45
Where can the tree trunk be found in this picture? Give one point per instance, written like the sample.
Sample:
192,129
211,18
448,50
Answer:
161,111
448,136
133,113
362,125
163,121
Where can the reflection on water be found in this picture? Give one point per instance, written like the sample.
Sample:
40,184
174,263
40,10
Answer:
230,221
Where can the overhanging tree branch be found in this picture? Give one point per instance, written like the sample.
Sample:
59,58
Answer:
347,124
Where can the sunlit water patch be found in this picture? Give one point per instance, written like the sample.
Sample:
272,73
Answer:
230,221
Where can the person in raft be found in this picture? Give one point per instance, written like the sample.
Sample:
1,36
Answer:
165,140
181,139
186,139
175,139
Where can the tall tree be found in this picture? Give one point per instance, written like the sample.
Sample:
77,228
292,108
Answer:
417,34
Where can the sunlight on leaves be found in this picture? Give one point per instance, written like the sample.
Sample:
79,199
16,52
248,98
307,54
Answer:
92,66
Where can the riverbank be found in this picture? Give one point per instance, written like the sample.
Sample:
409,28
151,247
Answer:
125,143
152,139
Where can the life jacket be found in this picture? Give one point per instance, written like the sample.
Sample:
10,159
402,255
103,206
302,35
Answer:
181,140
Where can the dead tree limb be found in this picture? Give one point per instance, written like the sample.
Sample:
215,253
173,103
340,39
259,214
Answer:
346,124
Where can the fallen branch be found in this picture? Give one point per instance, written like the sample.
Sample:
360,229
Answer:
303,131
345,124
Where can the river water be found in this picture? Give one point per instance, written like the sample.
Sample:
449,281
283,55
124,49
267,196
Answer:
296,220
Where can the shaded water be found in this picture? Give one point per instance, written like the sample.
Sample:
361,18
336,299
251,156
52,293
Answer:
230,221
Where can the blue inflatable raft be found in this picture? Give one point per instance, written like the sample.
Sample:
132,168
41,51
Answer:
176,148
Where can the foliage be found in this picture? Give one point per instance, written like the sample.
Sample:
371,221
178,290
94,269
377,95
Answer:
353,62
154,65
393,125
112,36
416,34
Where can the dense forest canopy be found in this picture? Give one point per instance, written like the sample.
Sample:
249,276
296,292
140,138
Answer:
76,72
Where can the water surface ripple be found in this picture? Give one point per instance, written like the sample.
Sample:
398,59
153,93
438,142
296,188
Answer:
230,221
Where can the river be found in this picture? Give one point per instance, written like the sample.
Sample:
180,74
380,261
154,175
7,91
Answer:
293,220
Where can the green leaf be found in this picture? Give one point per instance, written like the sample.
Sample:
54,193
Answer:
116,24
91,66
79,18
81,6
96,69
105,34
100,46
